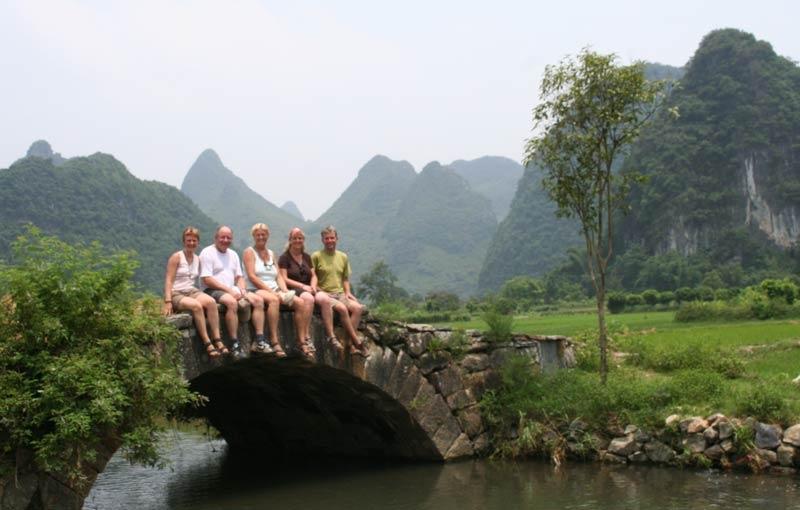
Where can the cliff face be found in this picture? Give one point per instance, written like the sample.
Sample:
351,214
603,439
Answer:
730,162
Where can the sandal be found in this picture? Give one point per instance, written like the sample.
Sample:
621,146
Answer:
359,348
310,345
211,350
221,348
307,350
262,346
277,350
335,343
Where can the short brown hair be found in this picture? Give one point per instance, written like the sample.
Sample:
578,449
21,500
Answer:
190,231
330,229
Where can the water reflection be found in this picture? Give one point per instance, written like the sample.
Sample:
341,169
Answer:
204,476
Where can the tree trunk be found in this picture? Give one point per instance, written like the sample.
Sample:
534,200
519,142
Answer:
601,327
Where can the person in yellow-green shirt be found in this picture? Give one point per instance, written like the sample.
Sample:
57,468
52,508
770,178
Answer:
333,292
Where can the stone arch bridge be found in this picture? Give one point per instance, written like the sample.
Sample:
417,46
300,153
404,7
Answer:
414,396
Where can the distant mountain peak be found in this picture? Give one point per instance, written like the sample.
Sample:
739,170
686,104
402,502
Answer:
292,209
42,149
210,156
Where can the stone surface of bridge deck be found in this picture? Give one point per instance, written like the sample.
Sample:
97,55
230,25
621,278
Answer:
414,396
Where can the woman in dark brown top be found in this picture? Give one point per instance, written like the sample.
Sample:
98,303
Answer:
296,270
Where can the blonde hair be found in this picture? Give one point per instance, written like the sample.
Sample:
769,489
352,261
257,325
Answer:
289,242
259,226
190,231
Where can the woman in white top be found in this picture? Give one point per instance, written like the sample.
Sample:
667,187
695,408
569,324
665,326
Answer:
263,278
181,292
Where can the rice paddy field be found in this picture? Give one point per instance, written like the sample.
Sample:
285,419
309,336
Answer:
750,364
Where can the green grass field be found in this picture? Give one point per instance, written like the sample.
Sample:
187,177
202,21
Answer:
750,363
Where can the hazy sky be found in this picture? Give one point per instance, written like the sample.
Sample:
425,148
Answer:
296,96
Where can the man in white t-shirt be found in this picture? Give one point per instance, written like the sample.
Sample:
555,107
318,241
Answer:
221,278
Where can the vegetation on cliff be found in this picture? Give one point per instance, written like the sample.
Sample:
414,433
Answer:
731,155
83,363
95,198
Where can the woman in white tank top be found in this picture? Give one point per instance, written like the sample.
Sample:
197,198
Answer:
181,292
263,278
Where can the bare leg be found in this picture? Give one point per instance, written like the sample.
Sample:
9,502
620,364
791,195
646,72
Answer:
308,304
356,309
231,314
257,312
194,307
212,314
324,302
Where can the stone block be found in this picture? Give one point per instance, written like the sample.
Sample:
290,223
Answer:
768,436
417,343
379,366
782,471
402,368
461,447
786,455
767,455
724,427
446,381
429,409
612,458
481,444
792,435
727,446
476,383
637,457
672,420
180,320
694,443
498,357
659,452
446,436
431,361
461,399
623,446
693,425
714,452
410,387
471,421
475,362
711,435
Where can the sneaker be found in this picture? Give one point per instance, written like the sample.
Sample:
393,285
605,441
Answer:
236,351
263,347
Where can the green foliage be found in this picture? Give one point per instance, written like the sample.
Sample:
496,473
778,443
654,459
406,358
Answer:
379,285
616,301
770,299
500,325
96,199
591,111
524,291
739,110
80,358
691,354
765,401
781,289
441,301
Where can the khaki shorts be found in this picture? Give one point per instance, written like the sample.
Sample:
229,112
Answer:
338,296
179,295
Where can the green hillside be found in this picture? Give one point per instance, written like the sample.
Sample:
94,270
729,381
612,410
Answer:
362,211
724,176
228,200
531,240
96,198
438,238
494,177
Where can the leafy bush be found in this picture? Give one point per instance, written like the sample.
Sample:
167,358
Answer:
781,289
80,357
634,300
694,354
616,302
666,297
765,402
500,325
650,296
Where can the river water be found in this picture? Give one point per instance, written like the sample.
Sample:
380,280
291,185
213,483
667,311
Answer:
204,475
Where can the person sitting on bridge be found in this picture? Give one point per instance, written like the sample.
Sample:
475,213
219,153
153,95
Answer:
181,293
263,278
296,270
221,275
333,292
